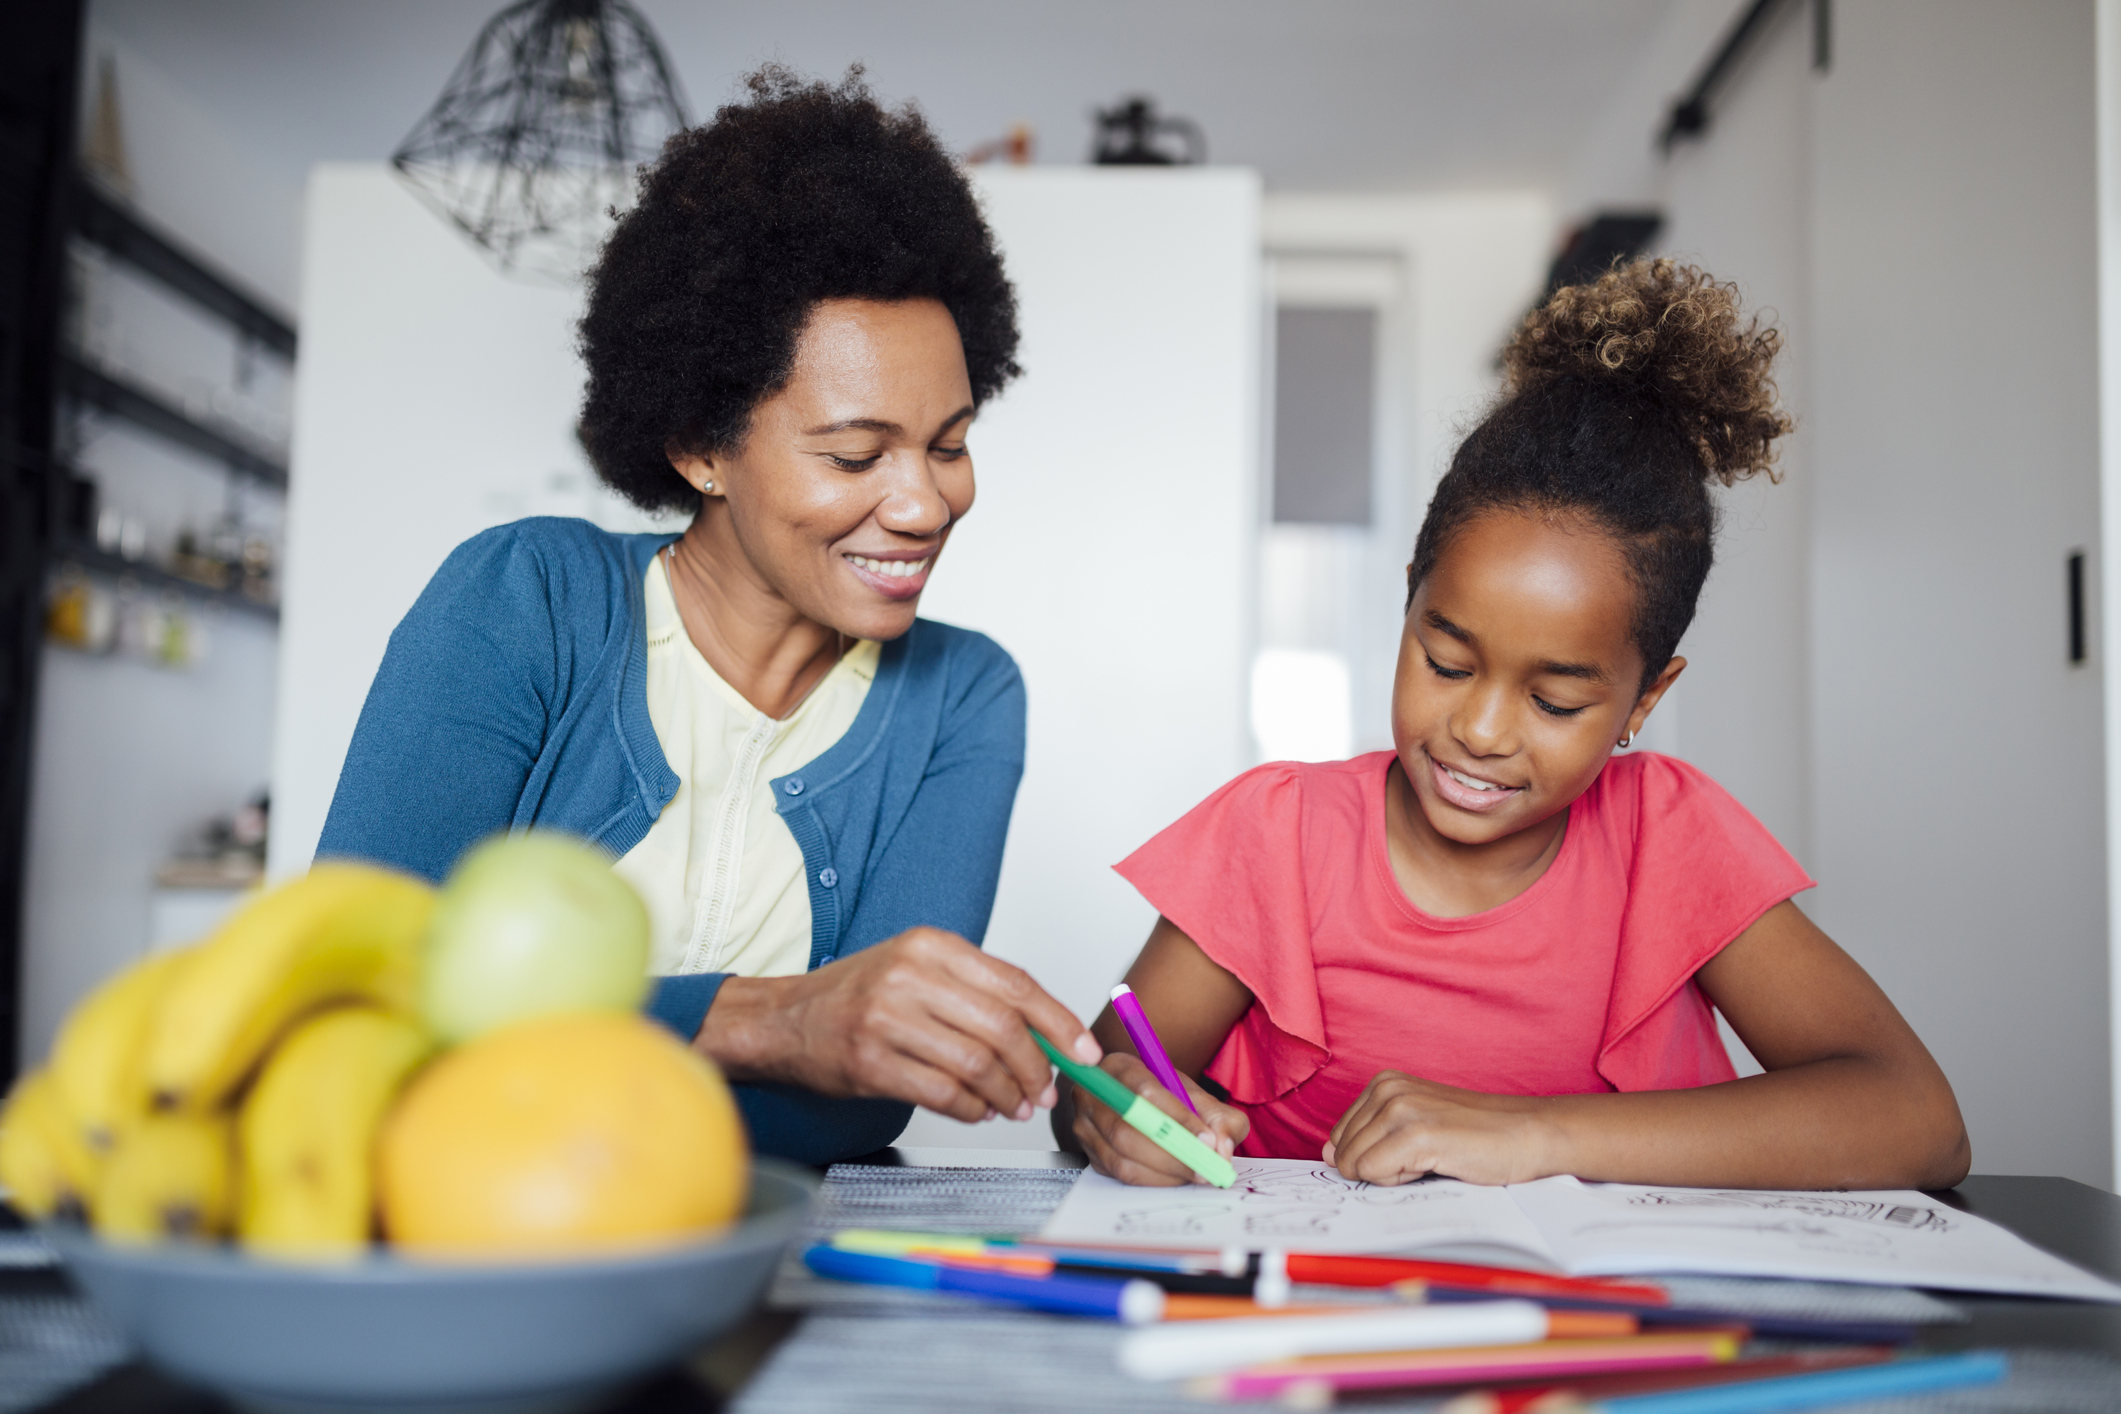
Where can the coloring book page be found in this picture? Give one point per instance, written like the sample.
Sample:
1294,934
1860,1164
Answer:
1894,1238
1306,1206
1899,1238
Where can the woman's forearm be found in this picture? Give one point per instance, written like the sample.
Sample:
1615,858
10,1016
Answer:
749,1030
1843,1122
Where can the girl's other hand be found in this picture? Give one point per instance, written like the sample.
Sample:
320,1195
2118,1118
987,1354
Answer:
1118,1149
1403,1127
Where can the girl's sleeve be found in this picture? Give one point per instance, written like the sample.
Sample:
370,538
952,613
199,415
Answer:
1704,870
1230,875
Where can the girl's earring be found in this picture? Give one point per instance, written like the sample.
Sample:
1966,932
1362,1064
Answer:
1627,741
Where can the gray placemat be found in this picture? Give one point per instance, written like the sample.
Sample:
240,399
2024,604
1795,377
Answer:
49,1344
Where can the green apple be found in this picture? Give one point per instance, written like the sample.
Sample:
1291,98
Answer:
528,925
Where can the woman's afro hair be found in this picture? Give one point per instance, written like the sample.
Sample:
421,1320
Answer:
807,192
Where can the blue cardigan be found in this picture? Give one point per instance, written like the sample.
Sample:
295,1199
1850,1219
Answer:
515,693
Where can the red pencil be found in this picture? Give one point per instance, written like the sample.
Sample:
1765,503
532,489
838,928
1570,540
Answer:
1387,1271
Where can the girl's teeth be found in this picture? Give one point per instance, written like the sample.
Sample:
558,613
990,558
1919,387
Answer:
891,569
1469,781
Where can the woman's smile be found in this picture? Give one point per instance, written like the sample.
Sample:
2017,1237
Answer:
895,574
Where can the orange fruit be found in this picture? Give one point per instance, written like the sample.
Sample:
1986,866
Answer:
559,1136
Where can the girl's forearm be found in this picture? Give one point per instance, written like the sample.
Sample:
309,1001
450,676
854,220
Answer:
1841,1122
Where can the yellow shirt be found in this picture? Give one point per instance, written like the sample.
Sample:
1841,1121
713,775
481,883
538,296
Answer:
721,875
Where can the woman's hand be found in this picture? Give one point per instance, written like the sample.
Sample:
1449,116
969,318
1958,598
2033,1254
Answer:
1125,1153
925,1017
1403,1127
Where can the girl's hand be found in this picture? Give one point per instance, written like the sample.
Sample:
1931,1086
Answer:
1403,1127
1118,1149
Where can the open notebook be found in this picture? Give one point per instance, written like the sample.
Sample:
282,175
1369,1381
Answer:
1899,1238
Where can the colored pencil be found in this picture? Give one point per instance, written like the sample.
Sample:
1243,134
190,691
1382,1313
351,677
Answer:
1146,1045
1417,1368
1554,1398
1140,1112
1131,1302
1176,1351
1890,1380
1389,1271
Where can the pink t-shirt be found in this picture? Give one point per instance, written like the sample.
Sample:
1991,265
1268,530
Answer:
1582,983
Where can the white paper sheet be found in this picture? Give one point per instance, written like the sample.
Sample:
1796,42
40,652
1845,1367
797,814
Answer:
1897,1237
1305,1205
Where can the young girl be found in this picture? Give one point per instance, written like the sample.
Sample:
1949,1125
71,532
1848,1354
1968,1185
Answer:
1491,953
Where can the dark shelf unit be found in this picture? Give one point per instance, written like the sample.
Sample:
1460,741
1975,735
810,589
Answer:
102,221
122,398
97,560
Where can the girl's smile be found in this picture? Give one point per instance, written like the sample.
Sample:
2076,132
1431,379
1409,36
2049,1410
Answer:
1468,791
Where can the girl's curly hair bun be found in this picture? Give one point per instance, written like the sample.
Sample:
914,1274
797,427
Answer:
1675,334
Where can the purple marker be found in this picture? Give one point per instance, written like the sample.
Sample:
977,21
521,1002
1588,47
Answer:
1151,1050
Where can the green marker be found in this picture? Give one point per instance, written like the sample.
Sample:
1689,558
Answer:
1165,1132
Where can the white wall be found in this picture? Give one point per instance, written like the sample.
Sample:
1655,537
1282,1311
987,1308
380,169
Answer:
1955,431
1108,549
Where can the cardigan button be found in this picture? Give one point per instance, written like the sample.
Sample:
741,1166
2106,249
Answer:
793,785
828,876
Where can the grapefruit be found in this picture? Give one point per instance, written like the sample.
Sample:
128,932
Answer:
562,1136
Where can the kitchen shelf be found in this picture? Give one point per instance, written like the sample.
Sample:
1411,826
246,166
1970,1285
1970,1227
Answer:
123,398
97,560
107,223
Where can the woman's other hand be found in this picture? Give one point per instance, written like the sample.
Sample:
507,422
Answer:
924,1017
1403,1127
1120,1150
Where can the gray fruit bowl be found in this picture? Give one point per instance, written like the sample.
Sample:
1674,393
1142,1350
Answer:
385,1334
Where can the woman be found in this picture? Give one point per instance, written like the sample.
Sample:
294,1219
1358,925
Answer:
790,333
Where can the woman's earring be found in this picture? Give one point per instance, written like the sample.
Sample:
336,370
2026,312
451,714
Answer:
706,488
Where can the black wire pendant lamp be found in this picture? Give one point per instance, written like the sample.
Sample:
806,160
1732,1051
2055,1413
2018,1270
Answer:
538,132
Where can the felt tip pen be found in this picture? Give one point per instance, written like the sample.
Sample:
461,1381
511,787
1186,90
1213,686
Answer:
1172,1352
1130,1302
1141,1112
1151,1050
1312,1382
1891,1380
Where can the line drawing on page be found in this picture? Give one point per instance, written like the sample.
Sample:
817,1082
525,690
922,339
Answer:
1904,1216
1275,1203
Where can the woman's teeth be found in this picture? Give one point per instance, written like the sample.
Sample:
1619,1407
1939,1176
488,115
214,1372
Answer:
891,569
1469,782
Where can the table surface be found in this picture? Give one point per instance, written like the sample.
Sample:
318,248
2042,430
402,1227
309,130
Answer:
2074,1221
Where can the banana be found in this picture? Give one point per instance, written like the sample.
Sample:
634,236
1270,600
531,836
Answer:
343,932
95,1063
43,1161
170,1176
308,1127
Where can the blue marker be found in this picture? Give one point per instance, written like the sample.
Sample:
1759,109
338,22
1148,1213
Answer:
1131,1302
1828,1387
